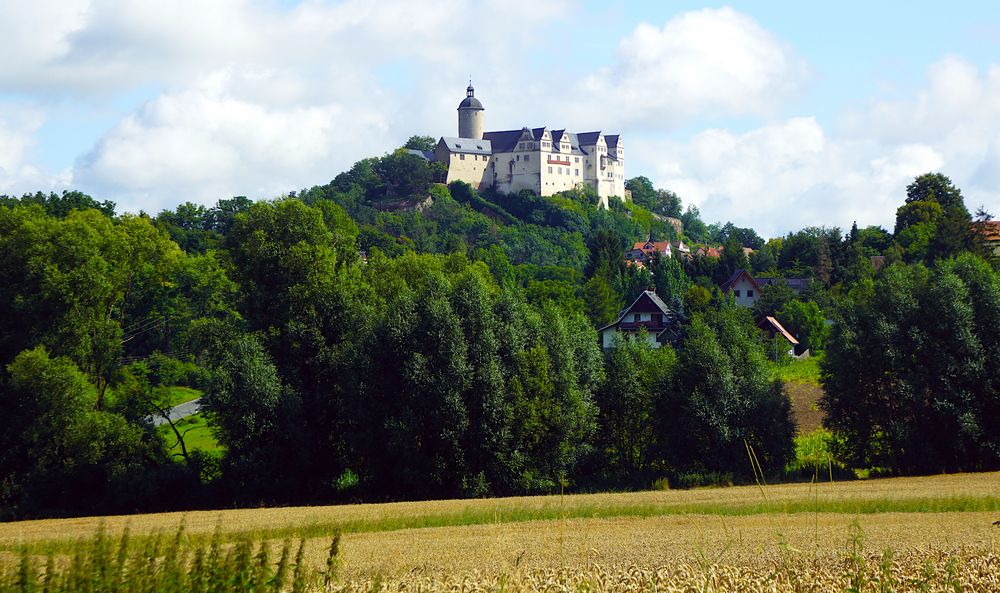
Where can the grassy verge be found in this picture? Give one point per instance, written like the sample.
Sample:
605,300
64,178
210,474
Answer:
177,395
197,435
798,371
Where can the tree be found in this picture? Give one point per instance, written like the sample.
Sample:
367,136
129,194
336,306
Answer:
423,143
637,376
694,228
723,399
806,322
933,223
404,174
642,190
602,300
58,452
772,298
905,375
257,419
732,259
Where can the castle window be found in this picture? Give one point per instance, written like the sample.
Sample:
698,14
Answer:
520,146
577,159
550,169
461,157
576,172
526,156
517,158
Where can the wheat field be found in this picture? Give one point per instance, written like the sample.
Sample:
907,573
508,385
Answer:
922,534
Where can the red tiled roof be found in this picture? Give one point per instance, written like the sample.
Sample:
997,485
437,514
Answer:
990,229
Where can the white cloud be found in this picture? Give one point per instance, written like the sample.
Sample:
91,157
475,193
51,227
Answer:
707,62
786,175
286,99
19,125
211,142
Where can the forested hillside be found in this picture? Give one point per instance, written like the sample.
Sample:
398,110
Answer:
388,337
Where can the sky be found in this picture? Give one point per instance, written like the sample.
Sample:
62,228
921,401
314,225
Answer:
772,115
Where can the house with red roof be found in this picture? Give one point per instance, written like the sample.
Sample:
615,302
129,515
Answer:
990,232
643,251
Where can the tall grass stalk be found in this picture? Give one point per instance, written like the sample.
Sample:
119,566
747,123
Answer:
165,565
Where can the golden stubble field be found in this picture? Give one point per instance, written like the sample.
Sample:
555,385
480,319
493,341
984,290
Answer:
650,537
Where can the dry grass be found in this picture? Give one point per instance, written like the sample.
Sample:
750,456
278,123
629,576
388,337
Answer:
917,572
613,541
392,516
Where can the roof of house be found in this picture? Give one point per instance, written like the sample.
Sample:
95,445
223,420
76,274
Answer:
646,301
773,325
612,140
728,284
574,142
503,141
468,145
588,138
796,284
990,229
651,246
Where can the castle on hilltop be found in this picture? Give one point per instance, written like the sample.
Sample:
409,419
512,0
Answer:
541,160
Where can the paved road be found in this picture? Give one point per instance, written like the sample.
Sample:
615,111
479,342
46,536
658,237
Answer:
179,411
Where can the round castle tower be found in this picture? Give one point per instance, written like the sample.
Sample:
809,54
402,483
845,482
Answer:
470,115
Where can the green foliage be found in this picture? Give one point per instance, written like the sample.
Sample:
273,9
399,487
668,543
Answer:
933,223
658,201
806,322
424,143
773,298
816,455
723,399
58,205
57,451
906,376
637,377
173,565
404,174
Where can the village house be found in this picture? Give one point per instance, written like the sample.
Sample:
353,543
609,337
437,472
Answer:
746,289
743,287
990,231
773,329
648,318
644,250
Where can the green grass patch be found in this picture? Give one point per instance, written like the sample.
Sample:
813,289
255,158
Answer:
196,432
176,395
798,371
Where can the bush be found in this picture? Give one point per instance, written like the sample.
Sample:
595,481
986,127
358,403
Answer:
815,455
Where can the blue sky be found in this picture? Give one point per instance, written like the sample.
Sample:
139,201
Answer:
772,115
